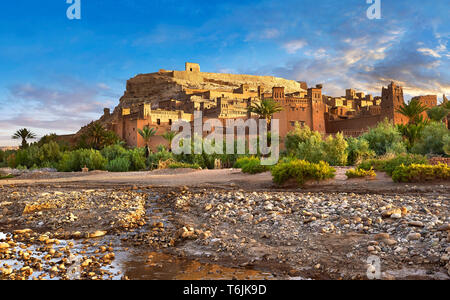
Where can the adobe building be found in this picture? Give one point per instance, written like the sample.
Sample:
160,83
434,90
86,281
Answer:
159,99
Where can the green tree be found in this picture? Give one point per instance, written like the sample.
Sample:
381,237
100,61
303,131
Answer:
336,150
169,136
96,134
147,133
266,109
413,110
438,113
299,134
433,139
385,138
411,133
24,134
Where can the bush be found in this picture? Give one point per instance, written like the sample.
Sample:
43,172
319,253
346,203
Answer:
180,165
446,147
298,135
433,139
113,152
301,171
336,150
359,173
250,165
385,138
154,158
240,162
120,164
312,150
254,166
74,161
421,173
137,159
389,164
358,151
47,155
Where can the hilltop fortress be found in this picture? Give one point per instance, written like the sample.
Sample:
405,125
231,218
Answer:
159,99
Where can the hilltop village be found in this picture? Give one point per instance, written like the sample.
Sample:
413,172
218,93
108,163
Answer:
159,99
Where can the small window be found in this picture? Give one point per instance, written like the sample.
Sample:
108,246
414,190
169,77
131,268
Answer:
158,121
170,121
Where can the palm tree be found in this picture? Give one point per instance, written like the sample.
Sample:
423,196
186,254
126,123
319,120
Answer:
266,109
413,110
438,113
169,136
97,135
147,133
25,135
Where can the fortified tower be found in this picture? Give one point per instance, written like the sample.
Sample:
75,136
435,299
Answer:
317,108
392,100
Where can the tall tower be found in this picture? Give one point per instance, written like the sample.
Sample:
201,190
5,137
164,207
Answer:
392,99
278,94
317,108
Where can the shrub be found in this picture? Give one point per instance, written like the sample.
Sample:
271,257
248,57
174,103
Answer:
385,138
298,135
36,156
253,166
113,152
312,150
74,161
240,162
2,157
120,164
358,173
250,165
421,173
154,158
335,148
404,159
446,147
389,164
137,159
433,139
358,151
301,171
180,165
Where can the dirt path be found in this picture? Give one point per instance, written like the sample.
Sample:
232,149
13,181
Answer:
226,178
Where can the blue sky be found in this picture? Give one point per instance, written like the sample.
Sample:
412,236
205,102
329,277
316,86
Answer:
57,74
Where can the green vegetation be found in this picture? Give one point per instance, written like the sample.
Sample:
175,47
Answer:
433,140
24,135
389,163
385,138
301,171
413,111
388,148
358,151
360,173
252,165
421,173
74,161
305,144
180,165
266,109
147,133
6,177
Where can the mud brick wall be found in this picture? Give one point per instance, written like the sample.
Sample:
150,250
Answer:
437,160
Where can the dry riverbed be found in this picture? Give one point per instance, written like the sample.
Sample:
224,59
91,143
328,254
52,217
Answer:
122,231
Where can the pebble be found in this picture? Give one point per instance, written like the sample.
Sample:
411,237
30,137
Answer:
414,236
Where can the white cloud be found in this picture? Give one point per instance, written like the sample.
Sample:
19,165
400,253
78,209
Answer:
293,46
429,52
